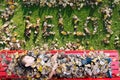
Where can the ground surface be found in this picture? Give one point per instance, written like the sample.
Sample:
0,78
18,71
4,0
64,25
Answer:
95,41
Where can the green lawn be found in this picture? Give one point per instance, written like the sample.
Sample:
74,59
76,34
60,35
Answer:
95,40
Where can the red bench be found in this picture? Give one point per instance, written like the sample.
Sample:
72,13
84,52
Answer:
113,54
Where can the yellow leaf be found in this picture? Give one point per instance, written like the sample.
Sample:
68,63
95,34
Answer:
99,0
38,60
91,48
40,69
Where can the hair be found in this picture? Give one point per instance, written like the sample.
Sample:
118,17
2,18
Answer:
20,61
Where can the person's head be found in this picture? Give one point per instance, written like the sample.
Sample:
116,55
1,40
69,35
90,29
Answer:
28,61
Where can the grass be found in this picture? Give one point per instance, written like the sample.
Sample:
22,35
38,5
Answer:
67,13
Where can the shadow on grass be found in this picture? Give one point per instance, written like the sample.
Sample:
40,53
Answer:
26,9
1,1
46,39
68,10
35,37
41,11
93,10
